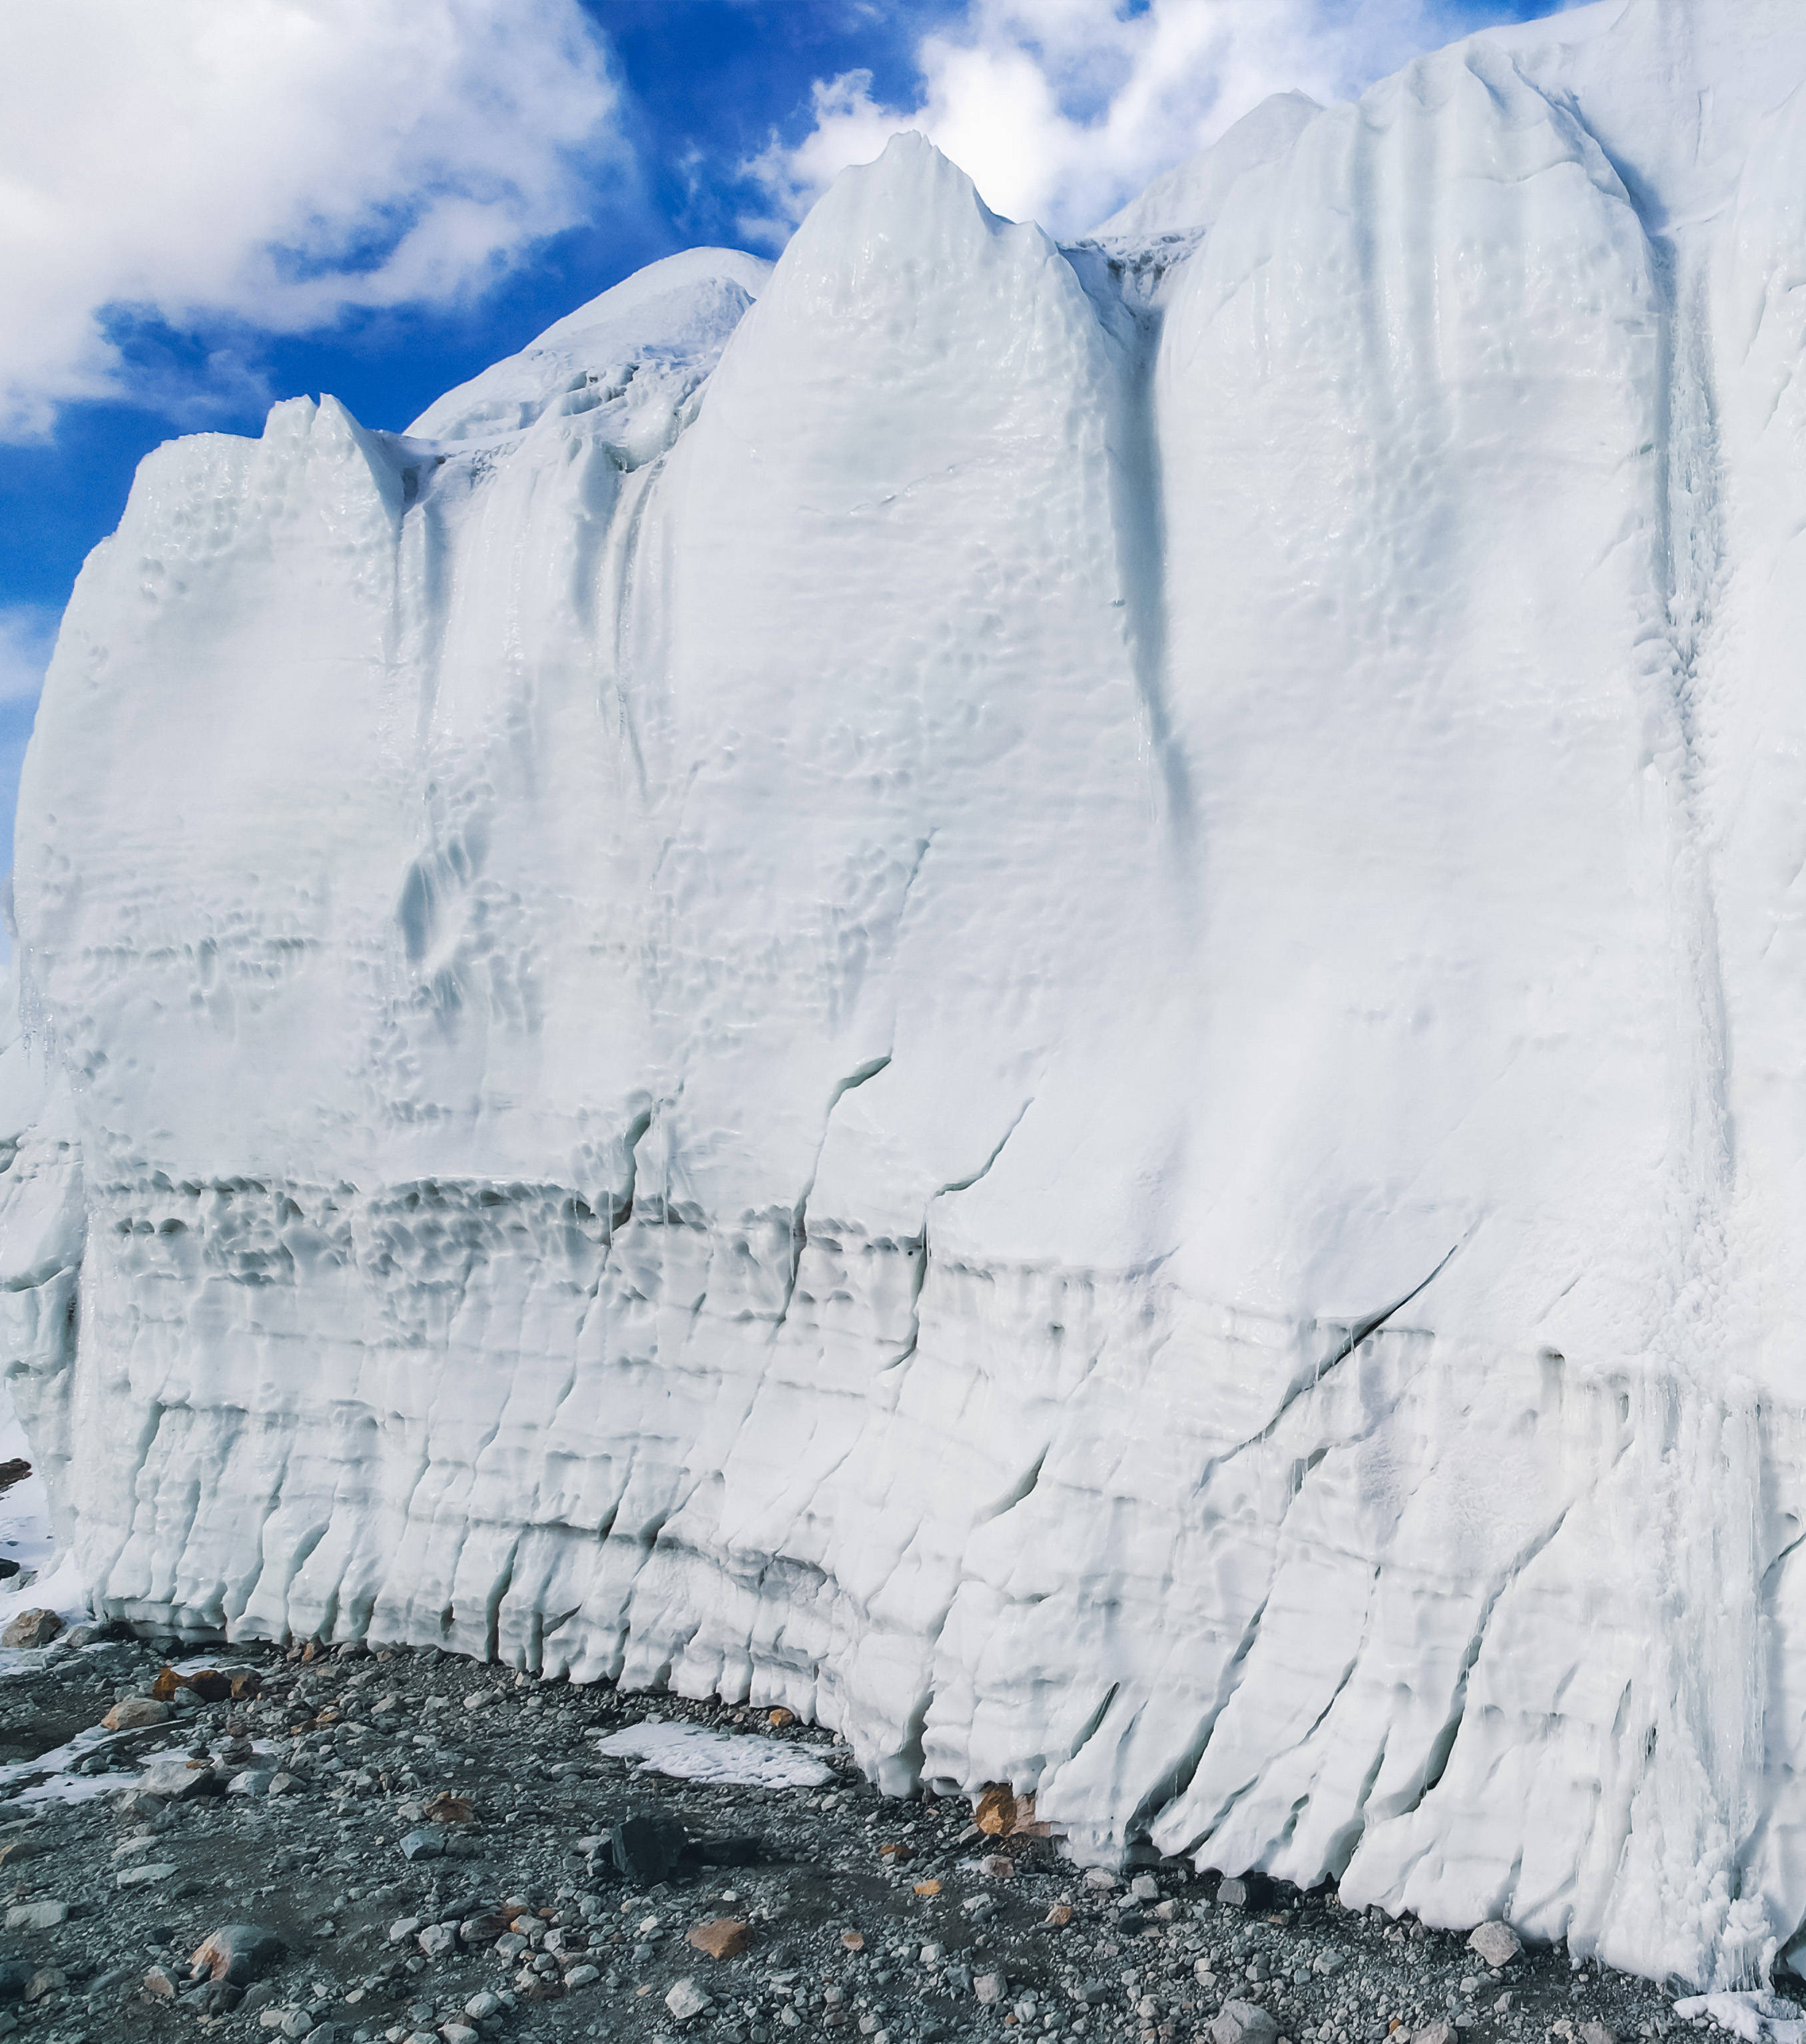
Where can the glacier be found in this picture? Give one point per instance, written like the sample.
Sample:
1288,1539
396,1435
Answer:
1048,999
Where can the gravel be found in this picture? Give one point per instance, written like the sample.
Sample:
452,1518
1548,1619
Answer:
442,1854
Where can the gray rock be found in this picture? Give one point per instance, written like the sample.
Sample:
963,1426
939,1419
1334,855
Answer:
1243,2022
176,1778
437,1940
253,1782
687,1999
990,1987
147,1875
36,1916
1435,2033
426,1842
1597,2033
1496,1943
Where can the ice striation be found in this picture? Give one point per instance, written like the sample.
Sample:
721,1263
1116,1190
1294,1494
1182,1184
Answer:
1046,999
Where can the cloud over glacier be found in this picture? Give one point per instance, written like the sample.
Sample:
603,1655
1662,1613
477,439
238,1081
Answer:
277,162
1060,109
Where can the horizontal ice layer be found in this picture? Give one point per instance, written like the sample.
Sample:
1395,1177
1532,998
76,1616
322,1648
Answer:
1045,1000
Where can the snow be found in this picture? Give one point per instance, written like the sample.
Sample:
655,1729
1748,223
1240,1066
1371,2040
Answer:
1045,1001
693,1754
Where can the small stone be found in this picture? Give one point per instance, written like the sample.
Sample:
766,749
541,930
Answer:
721,1938
998,1866
236,1953
990,1987
159,1984
1060,1914
144,1876
779,1717
1505,2004
130,1712
896,1853
32,1628
46,1981
212,1685
295,2022
446,1808
36,1916
437,1940
1144,1888
425,1843
853,1940
925,1888
582,1976
458,2033
1595,2032
480,2007
687,1999
1496,1943
251,1782
1244,2022
1435,2033
402,1929
282,1783
483,1929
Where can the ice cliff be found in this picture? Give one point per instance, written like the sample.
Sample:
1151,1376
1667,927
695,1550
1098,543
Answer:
1053,1000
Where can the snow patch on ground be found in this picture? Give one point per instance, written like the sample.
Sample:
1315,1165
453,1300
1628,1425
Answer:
693,1755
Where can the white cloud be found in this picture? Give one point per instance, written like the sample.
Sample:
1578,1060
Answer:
1061,109
28,632
275,162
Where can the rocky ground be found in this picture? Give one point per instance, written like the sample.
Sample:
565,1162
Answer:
411,1847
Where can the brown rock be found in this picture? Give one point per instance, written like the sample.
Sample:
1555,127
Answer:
996,1814
780,1717
212,1685
32,1628
235,1952
895,1855
722,1938
159,1984
246,1682
997,1865
447,1808
853,1940
168,1686
927,1888
484,1929
1060,1913
132,1711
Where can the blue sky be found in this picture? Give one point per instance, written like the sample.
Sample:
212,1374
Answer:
245,199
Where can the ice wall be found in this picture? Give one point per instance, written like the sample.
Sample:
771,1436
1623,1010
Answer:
1049,1000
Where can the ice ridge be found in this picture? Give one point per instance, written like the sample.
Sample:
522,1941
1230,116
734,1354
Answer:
1046,999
